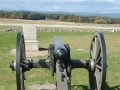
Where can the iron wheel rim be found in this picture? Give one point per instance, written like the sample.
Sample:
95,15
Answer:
20,56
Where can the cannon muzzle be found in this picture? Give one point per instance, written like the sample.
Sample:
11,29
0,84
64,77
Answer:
60,51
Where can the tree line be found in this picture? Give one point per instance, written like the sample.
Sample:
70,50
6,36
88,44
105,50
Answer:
61,17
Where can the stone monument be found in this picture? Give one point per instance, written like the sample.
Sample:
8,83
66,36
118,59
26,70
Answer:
31,42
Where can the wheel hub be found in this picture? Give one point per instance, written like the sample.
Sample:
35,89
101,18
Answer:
92,65
13,65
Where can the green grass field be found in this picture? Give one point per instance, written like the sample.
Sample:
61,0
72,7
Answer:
76,40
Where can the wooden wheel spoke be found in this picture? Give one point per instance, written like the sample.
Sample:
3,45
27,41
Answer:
92,79
98,53
21,78
98,60
98,79
24,79
97,46
98,67
91,52
93,46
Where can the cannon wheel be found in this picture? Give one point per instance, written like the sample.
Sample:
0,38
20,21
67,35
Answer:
20,56
97,77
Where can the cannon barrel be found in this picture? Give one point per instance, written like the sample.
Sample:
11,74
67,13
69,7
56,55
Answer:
60,51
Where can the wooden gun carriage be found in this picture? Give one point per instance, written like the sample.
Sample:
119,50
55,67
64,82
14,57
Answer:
60,62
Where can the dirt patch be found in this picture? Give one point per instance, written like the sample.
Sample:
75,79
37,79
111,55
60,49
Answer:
32,53
80,49
42,87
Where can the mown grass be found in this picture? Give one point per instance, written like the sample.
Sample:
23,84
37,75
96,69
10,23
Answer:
76,40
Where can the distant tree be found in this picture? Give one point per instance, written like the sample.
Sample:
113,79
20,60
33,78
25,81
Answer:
13,15
99,20
84,19
64,17
56,17
79,19
76,18
25,16
8,14
70,18
3,14
91,19
61,17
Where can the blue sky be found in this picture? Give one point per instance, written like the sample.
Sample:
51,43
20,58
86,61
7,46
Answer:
112,6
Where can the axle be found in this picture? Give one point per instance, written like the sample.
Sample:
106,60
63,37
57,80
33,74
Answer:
45,63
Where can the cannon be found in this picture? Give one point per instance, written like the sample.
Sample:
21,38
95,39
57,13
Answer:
60,62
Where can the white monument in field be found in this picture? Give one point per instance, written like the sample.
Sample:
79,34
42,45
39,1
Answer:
31,42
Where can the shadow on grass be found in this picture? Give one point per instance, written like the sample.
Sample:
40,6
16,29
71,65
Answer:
79,87
112,88
83,87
